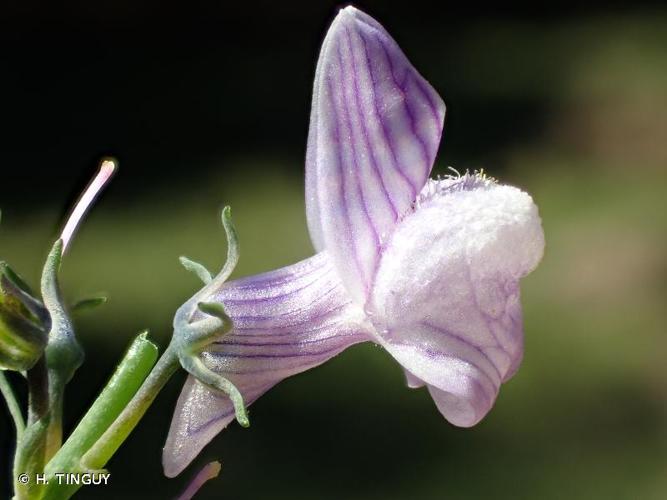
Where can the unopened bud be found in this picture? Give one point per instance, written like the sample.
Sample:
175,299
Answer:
22,334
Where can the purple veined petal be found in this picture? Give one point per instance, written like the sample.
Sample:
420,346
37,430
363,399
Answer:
285,322
375,129
462,411
452,316
463,382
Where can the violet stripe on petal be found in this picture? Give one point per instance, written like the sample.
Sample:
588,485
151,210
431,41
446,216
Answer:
389,156
343,207
463,348
200,415
450,316
361,98
240,340
468,391
375,127
301,327
226,354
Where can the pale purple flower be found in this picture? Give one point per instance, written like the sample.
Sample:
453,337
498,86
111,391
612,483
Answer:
428,269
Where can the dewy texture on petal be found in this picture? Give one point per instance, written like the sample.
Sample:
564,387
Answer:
285,322
375,128
446,298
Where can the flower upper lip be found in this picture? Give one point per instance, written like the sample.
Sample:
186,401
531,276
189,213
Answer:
375,128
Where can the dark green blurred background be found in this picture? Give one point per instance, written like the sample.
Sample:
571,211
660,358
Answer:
207,104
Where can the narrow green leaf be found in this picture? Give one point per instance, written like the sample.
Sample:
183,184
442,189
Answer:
88,303
119,391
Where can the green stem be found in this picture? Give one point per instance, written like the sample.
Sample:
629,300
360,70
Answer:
63,353
12,405
116,395
54,433
100,453
29,459
31,448
38,391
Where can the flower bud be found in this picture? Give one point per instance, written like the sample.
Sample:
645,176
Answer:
22,337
